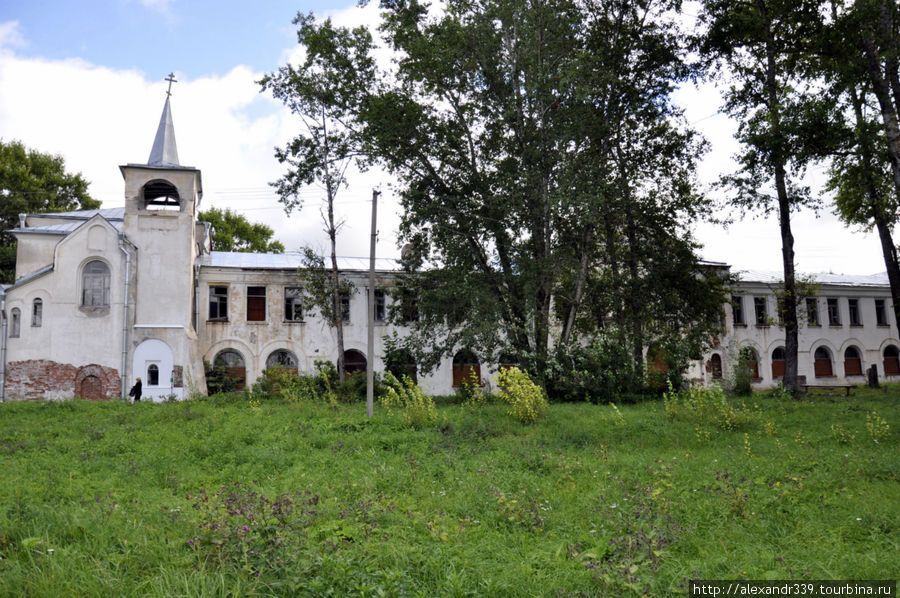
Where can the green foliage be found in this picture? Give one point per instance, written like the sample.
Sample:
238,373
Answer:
743,372
705,406
33,182
417,408
217,379
233,232
336,503
526,399
597,372
471,391
877,426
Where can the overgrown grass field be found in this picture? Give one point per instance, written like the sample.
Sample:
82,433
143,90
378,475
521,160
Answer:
244,498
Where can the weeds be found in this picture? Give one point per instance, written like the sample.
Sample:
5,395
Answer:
417,408
526,399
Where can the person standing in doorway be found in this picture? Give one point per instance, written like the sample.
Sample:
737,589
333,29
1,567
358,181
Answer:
136,390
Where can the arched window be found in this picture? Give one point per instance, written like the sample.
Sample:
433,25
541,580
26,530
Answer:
891,361
15,322
778,357
161,195
233,364
749,358
401,363
715,366
152,375
852,362
282,357
822,365
95,284
466,368
37,313
354,361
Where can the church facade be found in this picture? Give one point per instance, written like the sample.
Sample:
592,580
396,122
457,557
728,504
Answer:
103,297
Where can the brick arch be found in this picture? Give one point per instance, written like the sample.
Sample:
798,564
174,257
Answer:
95,382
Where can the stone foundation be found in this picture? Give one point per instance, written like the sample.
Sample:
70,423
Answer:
41,379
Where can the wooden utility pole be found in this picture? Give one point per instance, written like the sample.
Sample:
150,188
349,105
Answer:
370,361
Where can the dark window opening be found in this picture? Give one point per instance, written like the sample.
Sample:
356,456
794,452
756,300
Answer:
354,361
161,195
283,358
401,363
153,375
834,314
855,315
37,313
762,315
880,313
345,307
218,303
293,304
715,365
737,310
256,304
812,312
379,305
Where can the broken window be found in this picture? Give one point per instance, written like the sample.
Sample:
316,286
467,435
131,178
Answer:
345,307
293,304
812,311
834,314
283,358
762,315
256,304
37,313
218,303
379,305
855,316
737,310
880,314
95,284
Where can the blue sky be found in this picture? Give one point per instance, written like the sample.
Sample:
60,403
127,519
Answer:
85,80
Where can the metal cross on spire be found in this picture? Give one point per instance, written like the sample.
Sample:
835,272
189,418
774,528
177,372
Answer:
171,79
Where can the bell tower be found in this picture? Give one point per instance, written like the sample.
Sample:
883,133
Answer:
161,203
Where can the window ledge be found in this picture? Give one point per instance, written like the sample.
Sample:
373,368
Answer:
856,326
739,325
94,311
763,325
813,325
257,322
217,321
883,325
835,325
293,321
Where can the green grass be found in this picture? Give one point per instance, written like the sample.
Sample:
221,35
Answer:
101,499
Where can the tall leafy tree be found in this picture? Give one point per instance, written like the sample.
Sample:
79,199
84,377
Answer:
508,127
858,59
233,232
32,182
761,45
320,91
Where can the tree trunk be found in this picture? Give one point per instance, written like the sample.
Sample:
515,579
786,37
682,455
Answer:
636,304
581,277
789,312
882,91
332,236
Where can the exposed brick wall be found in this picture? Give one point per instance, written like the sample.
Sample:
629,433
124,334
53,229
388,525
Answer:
43,379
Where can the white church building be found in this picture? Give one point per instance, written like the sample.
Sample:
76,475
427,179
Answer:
102,297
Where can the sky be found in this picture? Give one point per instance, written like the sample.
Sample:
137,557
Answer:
85,80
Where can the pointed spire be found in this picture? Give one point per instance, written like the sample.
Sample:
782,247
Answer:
164,152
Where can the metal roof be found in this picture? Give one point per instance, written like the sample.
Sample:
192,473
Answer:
115,216
856,280
165,151
287,261
108,213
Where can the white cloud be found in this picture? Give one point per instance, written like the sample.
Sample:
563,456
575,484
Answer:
99,118
10,35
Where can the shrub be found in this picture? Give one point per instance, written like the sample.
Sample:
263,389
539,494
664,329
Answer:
277,382
705,405
217,379
526,399
598,372
417,408
743,372
471,392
